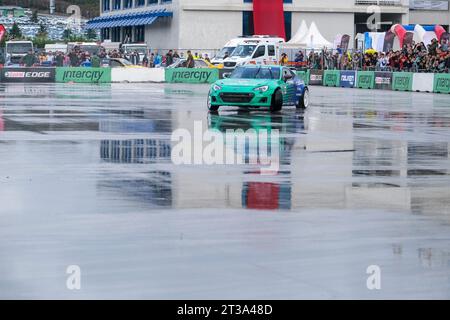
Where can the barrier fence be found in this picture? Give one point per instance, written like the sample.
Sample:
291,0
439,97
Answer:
382,80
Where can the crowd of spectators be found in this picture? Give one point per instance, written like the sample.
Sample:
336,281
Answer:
76,57
415,57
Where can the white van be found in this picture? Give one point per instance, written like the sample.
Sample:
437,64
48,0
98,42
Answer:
227,49
255,50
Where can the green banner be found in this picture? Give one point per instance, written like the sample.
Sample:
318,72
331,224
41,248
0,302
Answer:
331,78
442,83
402,81
304,75
83,75
191,75
366,79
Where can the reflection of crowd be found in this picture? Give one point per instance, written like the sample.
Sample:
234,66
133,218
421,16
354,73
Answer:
413,57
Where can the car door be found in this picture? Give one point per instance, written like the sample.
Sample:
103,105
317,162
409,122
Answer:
259,54
272,54
299,86
291,88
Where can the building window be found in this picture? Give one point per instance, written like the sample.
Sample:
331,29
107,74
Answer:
140,3
288,25
106,34
247,23
127,34
127,4
115,34
117,4
152,2
139,34
106,5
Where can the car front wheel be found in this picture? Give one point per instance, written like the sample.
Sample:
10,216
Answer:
277,101
303,101
210,106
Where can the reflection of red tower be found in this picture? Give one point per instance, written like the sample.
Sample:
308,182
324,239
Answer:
263,196
268,17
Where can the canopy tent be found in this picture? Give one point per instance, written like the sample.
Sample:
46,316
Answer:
301,33
313,39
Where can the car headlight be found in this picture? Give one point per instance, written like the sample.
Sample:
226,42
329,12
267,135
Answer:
262,89
217,87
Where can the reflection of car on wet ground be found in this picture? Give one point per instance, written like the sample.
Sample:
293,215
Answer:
198,63
259,86
117,63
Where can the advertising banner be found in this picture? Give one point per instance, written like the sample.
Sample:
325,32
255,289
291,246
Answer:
388,41
28,74
2,32
191,75
383,80
348,79
83,75
271,11
345,40
442,83
366,80
316,77
402,81
331,78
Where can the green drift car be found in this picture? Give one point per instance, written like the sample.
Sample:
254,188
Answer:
259,86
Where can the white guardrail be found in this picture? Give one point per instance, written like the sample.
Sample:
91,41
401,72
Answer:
137,75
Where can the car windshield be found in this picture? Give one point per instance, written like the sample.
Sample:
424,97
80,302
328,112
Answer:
224,51
256,73
243,51
19,47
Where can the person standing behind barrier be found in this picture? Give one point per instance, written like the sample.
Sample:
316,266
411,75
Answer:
59,59
145,61
176,55
73,56
95,61
29,59
284,59
190,62
169,58
86,63
158,60
299,57
151,60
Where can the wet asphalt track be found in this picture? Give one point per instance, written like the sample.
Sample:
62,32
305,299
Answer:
86,179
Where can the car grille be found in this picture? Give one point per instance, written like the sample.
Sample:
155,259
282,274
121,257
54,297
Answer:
236,97
229,64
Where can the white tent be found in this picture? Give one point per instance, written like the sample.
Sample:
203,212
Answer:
301,33
314,39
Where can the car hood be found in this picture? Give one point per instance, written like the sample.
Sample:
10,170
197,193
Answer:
253,83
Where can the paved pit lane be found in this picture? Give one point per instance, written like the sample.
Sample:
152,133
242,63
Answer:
86,179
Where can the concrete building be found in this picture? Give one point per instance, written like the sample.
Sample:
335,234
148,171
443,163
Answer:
205,24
